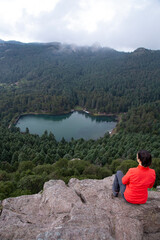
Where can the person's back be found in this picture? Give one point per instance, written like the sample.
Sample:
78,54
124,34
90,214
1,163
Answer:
137,181
134,185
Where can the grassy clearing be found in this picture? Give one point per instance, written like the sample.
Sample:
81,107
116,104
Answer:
78,108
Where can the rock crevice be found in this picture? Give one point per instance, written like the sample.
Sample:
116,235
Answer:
82,198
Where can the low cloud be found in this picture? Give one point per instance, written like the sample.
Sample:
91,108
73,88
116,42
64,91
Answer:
120,24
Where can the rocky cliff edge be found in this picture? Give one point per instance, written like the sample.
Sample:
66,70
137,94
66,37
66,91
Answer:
81,210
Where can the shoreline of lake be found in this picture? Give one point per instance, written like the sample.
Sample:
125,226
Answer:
99,123
116,116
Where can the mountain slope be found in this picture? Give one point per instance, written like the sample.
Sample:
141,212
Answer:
54,77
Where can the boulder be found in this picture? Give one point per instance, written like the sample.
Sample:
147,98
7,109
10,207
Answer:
81,210
158,188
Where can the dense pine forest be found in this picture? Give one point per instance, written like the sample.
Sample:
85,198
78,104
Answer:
54,78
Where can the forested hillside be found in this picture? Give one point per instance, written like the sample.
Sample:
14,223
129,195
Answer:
54,78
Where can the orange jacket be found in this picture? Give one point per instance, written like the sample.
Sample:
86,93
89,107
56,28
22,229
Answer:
137,181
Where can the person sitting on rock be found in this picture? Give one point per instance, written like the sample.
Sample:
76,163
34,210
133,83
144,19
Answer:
134,185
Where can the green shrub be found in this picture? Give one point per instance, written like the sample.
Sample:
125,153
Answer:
6,188
114,165
25,165
4,176
126,165
156,166
104,172
33,183
78,165
40,169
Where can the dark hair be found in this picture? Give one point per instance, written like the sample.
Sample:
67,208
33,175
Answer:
145,157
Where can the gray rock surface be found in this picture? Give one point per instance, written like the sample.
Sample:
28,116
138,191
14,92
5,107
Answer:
158,188
81,210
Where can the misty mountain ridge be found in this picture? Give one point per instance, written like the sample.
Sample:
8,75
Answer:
60,46
92,77
74,47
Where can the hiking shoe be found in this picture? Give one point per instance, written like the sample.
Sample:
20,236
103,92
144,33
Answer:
114,194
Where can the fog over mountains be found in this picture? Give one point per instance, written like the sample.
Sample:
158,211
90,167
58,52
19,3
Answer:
92,77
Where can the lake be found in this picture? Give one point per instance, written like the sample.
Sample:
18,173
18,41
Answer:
76,125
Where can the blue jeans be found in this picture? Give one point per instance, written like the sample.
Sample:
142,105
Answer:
118,186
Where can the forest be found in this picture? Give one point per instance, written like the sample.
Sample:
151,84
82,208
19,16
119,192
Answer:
54,78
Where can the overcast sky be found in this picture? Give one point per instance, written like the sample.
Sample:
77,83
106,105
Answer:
120,24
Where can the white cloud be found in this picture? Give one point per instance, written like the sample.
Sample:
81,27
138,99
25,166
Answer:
12,10
89,15
14,13
121,24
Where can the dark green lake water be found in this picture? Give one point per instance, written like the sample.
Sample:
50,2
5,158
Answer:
76,125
